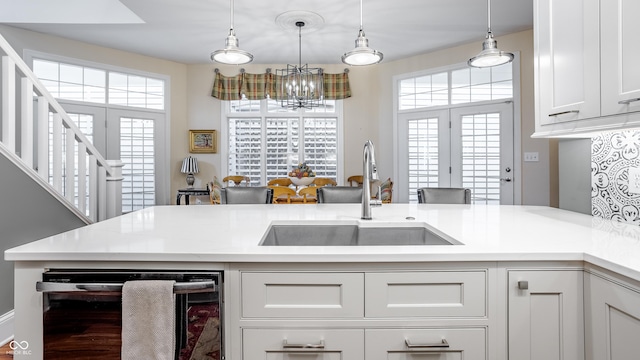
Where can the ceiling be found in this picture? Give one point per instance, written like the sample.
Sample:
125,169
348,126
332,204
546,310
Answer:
187,31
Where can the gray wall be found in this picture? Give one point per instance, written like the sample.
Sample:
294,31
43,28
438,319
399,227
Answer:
574,173
27,213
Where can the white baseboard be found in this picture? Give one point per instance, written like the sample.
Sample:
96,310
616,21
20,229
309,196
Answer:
6,328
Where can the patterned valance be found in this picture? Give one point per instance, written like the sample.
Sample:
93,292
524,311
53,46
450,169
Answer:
261,86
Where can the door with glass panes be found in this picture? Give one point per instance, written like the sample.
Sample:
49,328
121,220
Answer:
470,147
132,137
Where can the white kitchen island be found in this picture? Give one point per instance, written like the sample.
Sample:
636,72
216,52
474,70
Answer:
371,301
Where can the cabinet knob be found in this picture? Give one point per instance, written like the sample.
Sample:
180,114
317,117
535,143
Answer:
523,285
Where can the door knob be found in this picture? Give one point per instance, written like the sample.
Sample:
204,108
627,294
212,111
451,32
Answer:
508,179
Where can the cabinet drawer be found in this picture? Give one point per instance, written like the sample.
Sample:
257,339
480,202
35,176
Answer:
302,295
393,344
429,294
324,344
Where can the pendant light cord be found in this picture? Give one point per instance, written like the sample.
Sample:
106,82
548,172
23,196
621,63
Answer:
231,15
299,24
360,14
489,16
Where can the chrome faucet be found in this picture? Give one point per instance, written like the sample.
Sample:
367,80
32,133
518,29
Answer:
369,173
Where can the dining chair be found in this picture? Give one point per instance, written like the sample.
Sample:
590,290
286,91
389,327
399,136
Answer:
323,181
309,194
246,195
282,194
280,182
355,180
236,179
444,196
339,194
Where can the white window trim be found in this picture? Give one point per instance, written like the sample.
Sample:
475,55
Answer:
517,118
164,196
225,114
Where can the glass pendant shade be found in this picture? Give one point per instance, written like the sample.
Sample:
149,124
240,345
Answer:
362,54
490,54
231,54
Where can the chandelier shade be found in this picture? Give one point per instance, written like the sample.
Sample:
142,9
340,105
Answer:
362,54
490,54
231,54
300,86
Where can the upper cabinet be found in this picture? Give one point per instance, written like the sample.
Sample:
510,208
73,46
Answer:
586,75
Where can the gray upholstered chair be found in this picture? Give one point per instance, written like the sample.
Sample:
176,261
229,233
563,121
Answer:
444,196
246,195
339,194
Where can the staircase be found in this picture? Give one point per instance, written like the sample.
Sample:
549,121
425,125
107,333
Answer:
94,190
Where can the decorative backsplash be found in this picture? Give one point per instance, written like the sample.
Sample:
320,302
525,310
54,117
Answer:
612,154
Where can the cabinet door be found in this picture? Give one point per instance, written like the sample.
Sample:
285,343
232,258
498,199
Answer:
567,66
612,320
546,317
620,56
316,344
432,344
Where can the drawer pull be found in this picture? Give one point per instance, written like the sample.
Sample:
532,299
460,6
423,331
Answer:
628,101
441,345
564,113
286,345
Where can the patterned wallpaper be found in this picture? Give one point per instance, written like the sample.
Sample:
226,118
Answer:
612,154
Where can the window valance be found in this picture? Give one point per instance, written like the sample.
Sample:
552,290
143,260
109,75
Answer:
261,86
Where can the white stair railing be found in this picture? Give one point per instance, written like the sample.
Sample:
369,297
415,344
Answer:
72,153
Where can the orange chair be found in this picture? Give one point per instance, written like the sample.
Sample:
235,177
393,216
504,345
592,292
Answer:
279,182
237,180
355,180
322,181
309,194
282,194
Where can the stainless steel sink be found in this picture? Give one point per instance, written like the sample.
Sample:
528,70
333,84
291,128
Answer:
351,235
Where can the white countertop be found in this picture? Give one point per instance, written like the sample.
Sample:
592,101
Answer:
231,233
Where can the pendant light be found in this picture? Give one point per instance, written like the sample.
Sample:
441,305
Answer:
231,54
490,54
362,54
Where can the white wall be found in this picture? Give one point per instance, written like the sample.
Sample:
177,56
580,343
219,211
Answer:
368,114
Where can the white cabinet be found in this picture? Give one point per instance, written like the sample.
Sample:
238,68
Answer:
567,63
441,343
545,316
620,56
612,319
439,313
586,57
316,344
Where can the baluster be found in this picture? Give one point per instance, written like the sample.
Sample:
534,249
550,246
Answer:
26,132
82,177
57,152
9,103
93,188
43,138
70,166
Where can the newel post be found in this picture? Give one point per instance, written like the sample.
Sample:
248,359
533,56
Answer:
114,189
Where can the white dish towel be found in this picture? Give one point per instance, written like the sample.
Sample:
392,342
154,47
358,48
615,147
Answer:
148,320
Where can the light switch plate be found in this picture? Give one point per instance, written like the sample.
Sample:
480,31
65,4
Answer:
531,156
634,180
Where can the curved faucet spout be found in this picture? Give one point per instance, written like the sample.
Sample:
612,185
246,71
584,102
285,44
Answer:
369,173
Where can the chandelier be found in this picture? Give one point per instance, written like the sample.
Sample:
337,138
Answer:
299,86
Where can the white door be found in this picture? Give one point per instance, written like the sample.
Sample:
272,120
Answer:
137,138
469,147
482,152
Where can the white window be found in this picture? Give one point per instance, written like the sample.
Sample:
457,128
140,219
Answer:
265,141
122,112
455,129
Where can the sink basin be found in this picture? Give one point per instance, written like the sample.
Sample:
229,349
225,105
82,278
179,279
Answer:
351,235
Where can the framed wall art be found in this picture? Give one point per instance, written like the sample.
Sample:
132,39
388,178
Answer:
203,141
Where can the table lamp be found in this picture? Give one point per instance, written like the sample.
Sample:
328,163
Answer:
190,167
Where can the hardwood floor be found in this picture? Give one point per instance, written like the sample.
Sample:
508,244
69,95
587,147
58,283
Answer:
5,352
